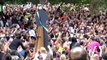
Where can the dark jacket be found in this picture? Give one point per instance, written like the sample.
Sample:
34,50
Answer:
15,44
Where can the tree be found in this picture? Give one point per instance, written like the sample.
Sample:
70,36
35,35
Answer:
98,5
94,6
1,2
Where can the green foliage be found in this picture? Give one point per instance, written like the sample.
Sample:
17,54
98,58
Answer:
103,4
51,1
21,1
98,5
54,1
78,2
95,5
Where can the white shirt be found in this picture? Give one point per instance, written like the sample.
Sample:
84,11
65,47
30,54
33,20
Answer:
32,33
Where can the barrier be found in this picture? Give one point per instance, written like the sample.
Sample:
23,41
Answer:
39,41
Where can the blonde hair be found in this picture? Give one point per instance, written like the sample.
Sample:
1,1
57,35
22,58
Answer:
43,50
62,57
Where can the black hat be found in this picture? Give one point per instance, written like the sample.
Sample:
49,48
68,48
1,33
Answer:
74,39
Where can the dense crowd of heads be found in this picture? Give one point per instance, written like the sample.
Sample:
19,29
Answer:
73,35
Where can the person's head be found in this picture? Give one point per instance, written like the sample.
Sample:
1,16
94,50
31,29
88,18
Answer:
63,57
7,38
95,57
10,18
40,58
43,50
78,53
17,35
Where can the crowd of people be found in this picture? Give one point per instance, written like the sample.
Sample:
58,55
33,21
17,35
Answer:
72,35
